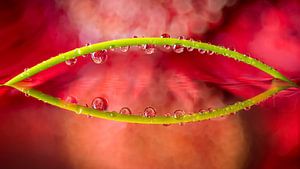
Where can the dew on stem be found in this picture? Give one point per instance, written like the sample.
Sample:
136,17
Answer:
99,57
99,103
149,112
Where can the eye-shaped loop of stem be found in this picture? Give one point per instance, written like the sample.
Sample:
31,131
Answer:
277,87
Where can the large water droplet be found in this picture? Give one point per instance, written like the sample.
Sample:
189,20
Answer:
71,99
124,48
149,112
71,61
165,35
99,57
99,103
125,110
148,48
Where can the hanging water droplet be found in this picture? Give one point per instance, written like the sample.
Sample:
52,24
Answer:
71,61
149,112
71,99
149,48
99,57
99,103
178,114
247,108
26,94
124,48
190,49
211,52
178,48
165,35
125,110
201,51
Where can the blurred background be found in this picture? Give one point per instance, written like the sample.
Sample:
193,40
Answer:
36,135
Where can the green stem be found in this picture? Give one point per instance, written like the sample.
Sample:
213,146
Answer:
279,85
195,117
139,41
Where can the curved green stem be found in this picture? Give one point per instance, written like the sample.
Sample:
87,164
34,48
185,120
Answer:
281,84
200,116
139,41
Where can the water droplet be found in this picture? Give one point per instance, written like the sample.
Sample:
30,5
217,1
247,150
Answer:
79,111
124,48
112,114
99,57
125,110
87,44
149,112
77,52
201,51
178,48
71,99
71,61
178,114
190,49
135,36
211,52
149,49
26,94
25,69
99,103
201,111
165,35
247,108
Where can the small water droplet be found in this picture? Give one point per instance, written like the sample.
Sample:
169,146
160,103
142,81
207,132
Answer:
25,69
134,36
165,35
124,48
26,94
99,103
149,48
149,112
71,61
87,44
211,52
79,111
247,108
201,51
99,57
178,114
190,49
178,48
71,99
112,114
201,111
125,110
